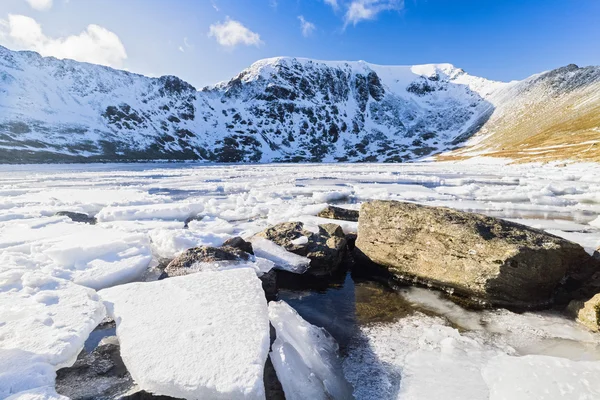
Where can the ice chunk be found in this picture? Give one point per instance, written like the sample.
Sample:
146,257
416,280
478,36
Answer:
541,378
305,358
260,265
22,370
41,393
178,211
201,336
282,258
99,258
170,243
300,241
89,255
46,316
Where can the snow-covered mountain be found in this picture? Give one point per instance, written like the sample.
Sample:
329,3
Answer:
279,109
549,116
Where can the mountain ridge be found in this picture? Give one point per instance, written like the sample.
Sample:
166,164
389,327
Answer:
281,109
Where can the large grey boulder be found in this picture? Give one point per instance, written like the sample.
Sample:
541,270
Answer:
484,258
325,249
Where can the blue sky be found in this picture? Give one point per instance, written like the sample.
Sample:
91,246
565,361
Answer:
208,41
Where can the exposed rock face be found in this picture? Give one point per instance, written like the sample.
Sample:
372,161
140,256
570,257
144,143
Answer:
587,312
77,217
484,258
324,249
183,263
333,212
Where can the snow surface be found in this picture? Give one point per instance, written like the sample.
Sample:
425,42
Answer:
202,336
46,316
305,358
46,262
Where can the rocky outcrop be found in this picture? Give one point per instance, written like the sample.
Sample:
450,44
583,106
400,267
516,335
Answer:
325,249
587,312
343,214
77,217
483,258
184,263
99,374
239,243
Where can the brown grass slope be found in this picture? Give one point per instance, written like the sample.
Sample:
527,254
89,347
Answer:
550,116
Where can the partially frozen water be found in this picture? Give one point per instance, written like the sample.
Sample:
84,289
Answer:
393,342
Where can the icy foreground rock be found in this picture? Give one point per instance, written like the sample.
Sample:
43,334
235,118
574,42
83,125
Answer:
305,358
200,336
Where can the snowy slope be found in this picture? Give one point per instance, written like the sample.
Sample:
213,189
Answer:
548,116
280,109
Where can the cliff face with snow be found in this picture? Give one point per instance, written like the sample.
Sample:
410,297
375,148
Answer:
281,109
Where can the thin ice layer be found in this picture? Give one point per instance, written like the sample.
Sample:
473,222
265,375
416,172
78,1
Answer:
45,316
167,211
282,258
305,358
202,336
541,378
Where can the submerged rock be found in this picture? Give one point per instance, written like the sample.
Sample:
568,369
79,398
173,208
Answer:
77,217
484,258
183,264
344,214
587,312
325,249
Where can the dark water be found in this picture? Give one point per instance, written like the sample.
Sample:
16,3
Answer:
344,303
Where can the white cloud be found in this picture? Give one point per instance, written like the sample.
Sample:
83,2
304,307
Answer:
231,33
360,10
307,27
94,45
332,3
186,45
40,5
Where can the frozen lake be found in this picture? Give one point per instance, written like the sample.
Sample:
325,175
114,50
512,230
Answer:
395,343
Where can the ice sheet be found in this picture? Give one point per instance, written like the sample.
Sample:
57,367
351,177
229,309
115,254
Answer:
45,316
282,258
203,335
